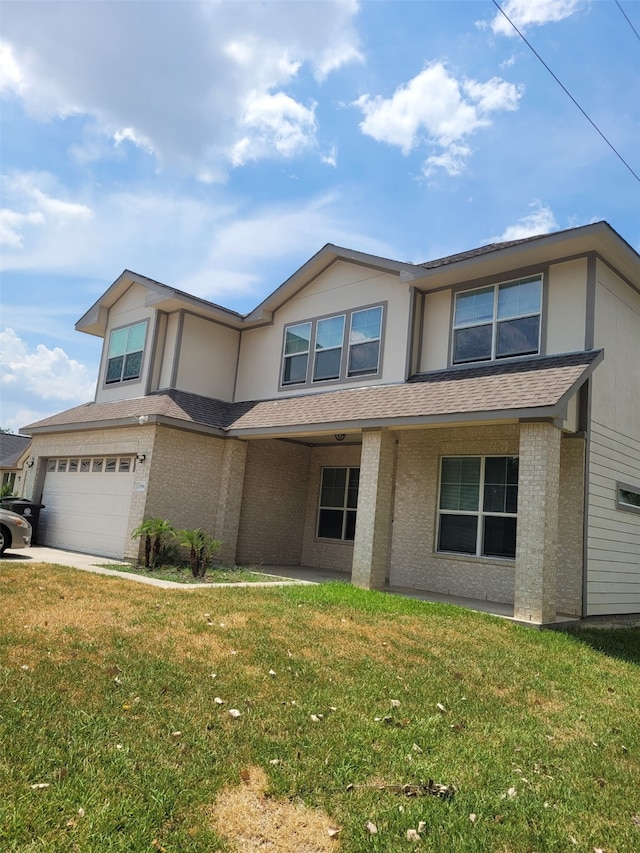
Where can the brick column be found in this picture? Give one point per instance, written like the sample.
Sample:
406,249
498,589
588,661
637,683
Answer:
537,545
375,496
230,497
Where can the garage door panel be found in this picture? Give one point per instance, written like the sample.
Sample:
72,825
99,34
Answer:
86,510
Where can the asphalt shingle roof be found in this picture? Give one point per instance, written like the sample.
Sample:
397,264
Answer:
528,384
11,448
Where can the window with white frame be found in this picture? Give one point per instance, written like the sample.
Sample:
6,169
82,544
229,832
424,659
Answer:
124,357
628,497
478,505
338,347
498,321
338,503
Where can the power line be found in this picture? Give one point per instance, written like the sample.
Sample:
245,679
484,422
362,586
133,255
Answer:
567,92
628,21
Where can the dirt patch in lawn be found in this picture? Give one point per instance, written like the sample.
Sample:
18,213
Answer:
252,821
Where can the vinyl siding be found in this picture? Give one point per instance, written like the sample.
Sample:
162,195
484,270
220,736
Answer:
613,541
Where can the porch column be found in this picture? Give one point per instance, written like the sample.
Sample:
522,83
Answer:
230,497
537,542
375,496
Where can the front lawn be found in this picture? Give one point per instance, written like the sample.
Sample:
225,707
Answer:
134,718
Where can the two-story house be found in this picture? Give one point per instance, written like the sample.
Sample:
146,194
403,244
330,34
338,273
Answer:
469,426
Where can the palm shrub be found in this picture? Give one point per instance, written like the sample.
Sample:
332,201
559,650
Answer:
156,532
202,549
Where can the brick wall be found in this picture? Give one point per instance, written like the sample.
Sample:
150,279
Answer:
273,503
571,539
414,560
537,547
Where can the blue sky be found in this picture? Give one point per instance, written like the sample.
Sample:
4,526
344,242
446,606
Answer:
215,146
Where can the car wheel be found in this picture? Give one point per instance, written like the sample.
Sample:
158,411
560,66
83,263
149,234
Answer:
5,539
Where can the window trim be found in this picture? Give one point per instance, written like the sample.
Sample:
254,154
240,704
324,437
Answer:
344,509
479,514
120,382
495,283
620,503
344,376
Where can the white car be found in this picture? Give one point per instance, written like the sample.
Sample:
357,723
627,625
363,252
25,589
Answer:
15,531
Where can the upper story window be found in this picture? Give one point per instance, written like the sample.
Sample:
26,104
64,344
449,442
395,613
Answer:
124,358
498,321
338,347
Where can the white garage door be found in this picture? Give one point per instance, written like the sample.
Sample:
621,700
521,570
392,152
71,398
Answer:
87,504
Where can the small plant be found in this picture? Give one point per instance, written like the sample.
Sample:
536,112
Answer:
6,491
157,531
202,549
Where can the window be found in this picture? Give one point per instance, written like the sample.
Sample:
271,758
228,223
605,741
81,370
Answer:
338,503
73,465
9,480
364,341
628,497
342,346
499,321
125,353
478,505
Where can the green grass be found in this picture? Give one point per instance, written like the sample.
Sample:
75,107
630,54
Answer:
538,731
183,574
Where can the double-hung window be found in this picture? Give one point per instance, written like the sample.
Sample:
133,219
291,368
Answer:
499,321
124,357
338,503
338,347
478,505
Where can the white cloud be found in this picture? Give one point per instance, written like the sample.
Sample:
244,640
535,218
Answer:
48,374
436,105
273,122
527,13
194,100
39,211
541,220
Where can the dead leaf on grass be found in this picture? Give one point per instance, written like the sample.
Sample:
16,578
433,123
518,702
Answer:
412,835
371,827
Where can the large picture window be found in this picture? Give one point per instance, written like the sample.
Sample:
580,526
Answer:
478,505
124,359
334,348
499,321
338,503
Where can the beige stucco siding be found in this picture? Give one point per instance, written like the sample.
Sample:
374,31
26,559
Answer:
207,361
414,560
613,584
166,354
129,309
273,503
565,318
342,287
436,331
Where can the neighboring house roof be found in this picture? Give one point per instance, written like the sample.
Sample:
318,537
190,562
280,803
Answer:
12,447
534,387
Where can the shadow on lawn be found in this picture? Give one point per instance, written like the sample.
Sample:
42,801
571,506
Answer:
621,643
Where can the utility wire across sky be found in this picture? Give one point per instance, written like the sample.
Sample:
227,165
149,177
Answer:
566,91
